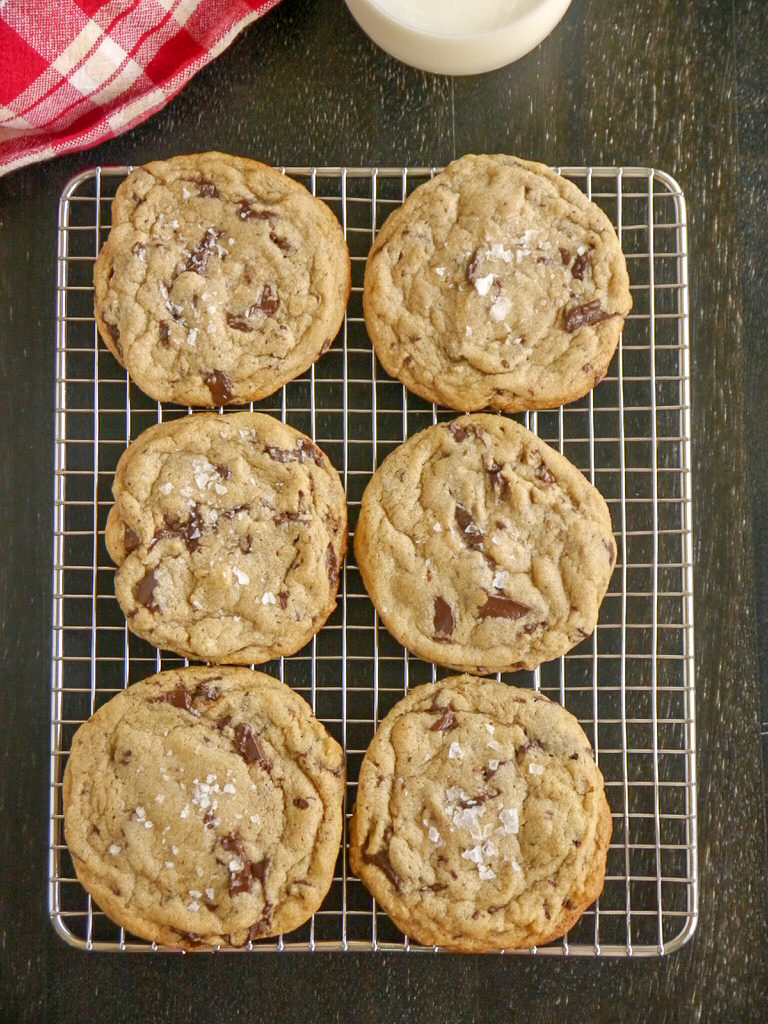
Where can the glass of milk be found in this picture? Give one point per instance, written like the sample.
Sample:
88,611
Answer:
457,37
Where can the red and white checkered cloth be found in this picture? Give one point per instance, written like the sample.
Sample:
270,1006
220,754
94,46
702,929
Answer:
74,73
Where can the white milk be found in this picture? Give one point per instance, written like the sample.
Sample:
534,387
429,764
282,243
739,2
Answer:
453,17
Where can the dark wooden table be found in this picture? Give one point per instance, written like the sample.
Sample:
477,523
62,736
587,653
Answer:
677,84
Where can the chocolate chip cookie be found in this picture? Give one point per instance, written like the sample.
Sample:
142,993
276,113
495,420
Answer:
497,283
482,548
220,280
481,821
228,532
203,807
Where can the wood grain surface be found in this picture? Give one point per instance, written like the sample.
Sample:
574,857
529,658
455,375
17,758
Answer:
677,84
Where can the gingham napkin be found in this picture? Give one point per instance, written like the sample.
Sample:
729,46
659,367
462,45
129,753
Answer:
76,72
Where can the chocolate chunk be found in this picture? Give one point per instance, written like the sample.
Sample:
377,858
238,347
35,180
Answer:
499,483
197,260
138,249
573,757
586,315
610,548
144,591
164,332
547,914
223,722
471,271
209,819
282,597
281,243
262,926
178,697
240,876
247,211
577,843
288,517
326,345
95,830
497,607
332,565
230,513
488,773
239,323
114,333
249,748
443,617
471,533
224,471
300,802
246,543
259,870
206,188
544,474
220,386
565,256
381,859
267,302
205,691
531,627
475,801
461,432
131,540
445,723
190,532
303,452
125,757
581,265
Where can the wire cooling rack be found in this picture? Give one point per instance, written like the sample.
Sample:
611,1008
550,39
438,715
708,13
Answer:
630,684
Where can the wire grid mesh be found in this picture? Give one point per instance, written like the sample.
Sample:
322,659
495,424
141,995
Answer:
630,684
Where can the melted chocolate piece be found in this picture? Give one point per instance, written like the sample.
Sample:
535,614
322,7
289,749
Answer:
497,607
381,859
95,830
326,345
261,927
144,591
471,270
581,265
546,911
288,517
209,819
197,260
471,533
239,323
586,315
565,256
205,691
301,803
282,243
499,483
332,565
247,211
577,843
443,617
461,433
531,627
259,871
246,544
164,332
189,532
223,471
220,386
131,540
444,723
125,757
249,748
223,722
610,548
230,513
178,697
239,877
573,757
114,333
544,474
282,597
267,302
303,451
206,189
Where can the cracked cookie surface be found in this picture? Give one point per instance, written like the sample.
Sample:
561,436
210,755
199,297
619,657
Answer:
228,532
481,821
203,807
496,284
220,281
482,548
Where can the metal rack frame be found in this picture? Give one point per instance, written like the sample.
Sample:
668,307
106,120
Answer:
631,683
